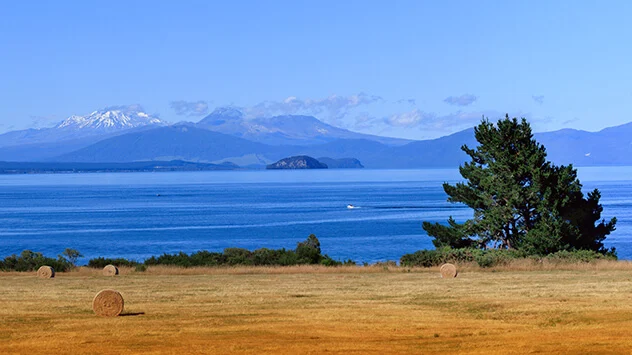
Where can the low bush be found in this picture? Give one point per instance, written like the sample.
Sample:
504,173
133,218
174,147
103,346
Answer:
207,258
31,261
238,256
429,258
494,257
101,262
265,256
578,256
180,259
306,252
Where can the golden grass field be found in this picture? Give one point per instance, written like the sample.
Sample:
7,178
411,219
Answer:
580,309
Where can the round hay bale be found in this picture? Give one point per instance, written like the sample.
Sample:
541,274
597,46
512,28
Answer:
45,272
107,303
110,270
448,271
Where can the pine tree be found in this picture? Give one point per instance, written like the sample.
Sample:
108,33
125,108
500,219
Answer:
520,200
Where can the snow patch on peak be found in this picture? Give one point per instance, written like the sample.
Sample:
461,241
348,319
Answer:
74,119
110,119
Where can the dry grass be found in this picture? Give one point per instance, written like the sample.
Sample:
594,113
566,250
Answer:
303,310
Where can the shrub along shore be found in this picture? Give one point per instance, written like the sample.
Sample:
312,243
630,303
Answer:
307,252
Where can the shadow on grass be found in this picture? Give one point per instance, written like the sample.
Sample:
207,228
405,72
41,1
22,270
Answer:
131,314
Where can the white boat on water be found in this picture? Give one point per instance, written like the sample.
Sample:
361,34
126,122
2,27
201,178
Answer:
351,206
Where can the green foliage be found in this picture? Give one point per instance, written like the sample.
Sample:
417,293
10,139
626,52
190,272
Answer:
71,255
140,268
326,260
429,258
31,261
265,256
494,257
238,256
180,259
207,258
287,258
520,200
482,257
307,252
578,256
451,235
101,262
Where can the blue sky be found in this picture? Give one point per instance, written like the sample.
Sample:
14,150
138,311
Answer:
414,69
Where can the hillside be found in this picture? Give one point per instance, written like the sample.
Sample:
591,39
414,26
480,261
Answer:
178,142
283,130
610,146
342,163
186,142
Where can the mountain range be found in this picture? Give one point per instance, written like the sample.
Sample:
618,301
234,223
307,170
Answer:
127,134
283,130
73,133
98,123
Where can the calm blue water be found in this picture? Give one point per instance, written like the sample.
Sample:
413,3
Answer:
137,215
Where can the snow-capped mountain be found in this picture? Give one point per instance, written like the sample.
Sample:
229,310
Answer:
110,119
75,132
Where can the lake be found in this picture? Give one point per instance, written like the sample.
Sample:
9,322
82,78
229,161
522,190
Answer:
137,215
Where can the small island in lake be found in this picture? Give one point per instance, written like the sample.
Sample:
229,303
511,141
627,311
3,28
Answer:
297,162
342,163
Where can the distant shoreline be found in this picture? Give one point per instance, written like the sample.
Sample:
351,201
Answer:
24,168
14,168
83,171
34,168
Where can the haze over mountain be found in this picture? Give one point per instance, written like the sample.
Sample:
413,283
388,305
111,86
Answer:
227,136
283,130
610,146
176,142
196,144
